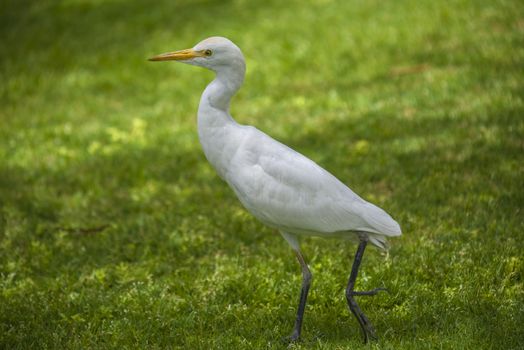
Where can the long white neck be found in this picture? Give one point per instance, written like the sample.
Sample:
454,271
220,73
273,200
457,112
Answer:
217,130
219,92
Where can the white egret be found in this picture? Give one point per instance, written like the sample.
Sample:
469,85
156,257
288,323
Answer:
279,186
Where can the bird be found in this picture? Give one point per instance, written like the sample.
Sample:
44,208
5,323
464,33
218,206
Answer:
282,188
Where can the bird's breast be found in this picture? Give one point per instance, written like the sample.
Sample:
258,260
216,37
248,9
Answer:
220,145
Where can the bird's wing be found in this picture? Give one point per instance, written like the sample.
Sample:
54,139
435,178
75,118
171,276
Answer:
286,190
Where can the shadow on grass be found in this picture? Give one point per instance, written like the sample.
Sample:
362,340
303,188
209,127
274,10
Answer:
65,35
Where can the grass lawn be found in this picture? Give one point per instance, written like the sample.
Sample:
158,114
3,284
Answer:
116,233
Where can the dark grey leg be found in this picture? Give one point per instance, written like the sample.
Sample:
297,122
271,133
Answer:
366,326
306,283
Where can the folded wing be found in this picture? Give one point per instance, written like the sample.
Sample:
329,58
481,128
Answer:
288,191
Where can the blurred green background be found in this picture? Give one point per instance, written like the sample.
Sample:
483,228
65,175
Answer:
116,233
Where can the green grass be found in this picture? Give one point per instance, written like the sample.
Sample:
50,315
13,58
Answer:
417,105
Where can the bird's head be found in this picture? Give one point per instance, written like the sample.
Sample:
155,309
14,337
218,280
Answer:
215,53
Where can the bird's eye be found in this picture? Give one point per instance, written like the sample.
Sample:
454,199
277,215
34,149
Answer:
208,52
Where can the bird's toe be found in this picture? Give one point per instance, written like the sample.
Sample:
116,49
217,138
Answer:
292,338
370,292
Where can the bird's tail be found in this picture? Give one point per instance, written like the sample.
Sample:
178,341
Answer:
379,241
380,221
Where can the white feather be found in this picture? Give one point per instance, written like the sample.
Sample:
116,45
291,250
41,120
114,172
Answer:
278,185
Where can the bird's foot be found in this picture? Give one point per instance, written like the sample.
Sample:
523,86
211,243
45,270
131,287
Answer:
292,338
367,328
368,331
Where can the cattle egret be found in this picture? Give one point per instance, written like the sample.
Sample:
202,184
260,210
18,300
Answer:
279,186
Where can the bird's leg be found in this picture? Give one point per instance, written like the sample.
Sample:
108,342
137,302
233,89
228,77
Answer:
306,283
366,326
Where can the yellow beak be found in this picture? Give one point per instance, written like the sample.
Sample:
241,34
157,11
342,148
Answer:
177,55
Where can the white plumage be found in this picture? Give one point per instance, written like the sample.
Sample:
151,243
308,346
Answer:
288,191
278,185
